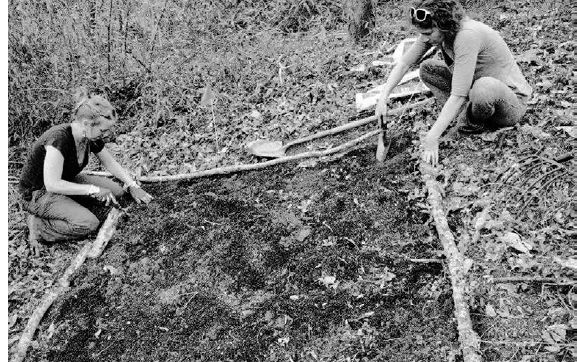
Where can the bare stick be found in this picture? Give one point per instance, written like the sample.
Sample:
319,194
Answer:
425,261
260,165
109,36
156,31
105,234
49,298
90,250
250,166
360,122
533,280
126,17
469,340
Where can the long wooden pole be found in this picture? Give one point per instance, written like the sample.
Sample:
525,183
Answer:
469,340
90,250
260,165
247,166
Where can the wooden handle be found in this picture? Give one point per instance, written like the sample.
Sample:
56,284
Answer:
360,122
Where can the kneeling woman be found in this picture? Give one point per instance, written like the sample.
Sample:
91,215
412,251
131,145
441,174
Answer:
55,192
479,80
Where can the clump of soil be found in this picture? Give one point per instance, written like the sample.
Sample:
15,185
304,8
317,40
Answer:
289,263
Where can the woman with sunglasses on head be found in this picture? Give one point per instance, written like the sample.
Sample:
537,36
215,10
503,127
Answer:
54,191
479,83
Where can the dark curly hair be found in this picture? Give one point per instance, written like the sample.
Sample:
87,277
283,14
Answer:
447,15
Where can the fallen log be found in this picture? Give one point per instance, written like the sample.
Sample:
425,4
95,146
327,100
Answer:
468,339
92,250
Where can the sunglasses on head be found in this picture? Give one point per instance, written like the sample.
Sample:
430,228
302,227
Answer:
420,15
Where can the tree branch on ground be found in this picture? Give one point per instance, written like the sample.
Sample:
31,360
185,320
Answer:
91,250
469,340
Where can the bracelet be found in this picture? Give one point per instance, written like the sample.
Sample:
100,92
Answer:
129,185
93,190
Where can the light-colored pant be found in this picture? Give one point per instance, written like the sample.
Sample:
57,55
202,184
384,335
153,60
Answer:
491,102
61,217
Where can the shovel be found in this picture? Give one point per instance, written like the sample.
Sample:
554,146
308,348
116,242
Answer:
275,149
382,148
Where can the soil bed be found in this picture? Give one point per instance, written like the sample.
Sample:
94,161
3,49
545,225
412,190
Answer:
289,263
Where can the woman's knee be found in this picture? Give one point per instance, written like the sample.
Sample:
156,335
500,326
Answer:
494,102
86,225
52,230
482,97
485,90
435,75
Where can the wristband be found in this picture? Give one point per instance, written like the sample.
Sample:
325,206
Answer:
129,185
93,190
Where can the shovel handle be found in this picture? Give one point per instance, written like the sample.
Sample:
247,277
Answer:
360,122
328,132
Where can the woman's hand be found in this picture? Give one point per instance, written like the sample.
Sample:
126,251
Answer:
35,247
139,195
430,150
106,196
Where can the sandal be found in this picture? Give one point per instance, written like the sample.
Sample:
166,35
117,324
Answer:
469,126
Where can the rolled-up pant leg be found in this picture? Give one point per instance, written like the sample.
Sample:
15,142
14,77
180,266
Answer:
437,77
493,103
60,218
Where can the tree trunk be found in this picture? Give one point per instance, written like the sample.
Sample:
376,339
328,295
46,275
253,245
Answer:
360,17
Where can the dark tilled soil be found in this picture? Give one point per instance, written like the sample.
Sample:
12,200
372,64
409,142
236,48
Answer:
286,264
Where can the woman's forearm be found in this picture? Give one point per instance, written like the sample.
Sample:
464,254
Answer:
114,167
397,73
450,111
119,172
64,187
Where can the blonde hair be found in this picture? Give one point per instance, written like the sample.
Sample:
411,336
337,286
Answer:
92,107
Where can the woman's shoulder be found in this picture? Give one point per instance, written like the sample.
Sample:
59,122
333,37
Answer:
60,133
473,30
59,129
473,25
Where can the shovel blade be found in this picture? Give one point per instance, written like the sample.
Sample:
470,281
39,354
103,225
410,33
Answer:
264,148
382,148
